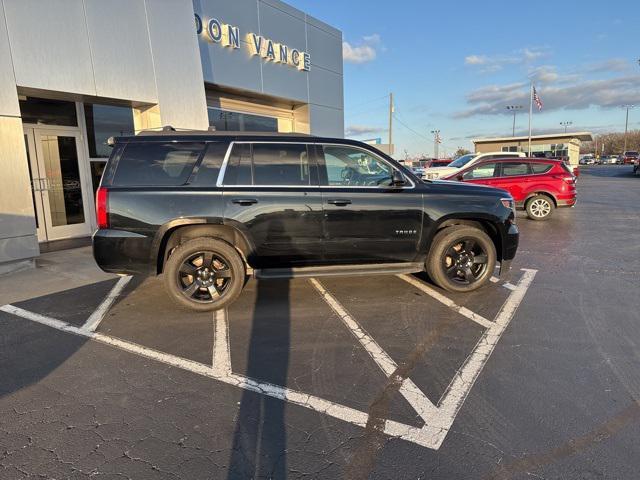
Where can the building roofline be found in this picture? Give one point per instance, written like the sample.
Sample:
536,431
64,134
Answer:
583,136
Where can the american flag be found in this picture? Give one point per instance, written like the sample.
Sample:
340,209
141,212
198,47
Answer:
536,98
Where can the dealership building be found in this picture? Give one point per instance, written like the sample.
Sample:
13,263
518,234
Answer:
554,145
75,72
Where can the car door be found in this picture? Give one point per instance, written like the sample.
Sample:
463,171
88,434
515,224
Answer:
366,219
514,177
270,192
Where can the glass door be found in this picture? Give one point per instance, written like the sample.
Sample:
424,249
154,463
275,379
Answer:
58,183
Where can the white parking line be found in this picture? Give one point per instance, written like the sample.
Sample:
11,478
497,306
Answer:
96,317
479,319
438,420
418,401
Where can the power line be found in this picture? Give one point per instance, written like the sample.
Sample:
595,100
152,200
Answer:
411,129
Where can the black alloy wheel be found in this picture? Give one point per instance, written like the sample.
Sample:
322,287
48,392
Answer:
204,274
465,261
462,258
204,277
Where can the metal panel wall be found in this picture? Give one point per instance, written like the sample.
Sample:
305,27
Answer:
17,218
8,94
280,22
326,121
178,69
119,40
49,45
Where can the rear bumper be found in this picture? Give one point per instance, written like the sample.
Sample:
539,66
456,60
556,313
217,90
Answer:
123,252
567,203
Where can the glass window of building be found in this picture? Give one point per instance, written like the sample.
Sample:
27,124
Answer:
104,121
225,120
41,111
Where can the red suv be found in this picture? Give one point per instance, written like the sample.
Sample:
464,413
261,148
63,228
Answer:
539,185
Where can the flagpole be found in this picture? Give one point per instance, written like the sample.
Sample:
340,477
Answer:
530,115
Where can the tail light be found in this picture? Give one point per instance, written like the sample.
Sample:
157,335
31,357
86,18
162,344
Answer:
102,207
570,179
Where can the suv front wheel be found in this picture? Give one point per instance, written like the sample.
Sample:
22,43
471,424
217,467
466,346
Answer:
462,259
204,274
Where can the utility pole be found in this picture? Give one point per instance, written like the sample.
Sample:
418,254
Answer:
565,125
391,123
514,109
436,142
626,125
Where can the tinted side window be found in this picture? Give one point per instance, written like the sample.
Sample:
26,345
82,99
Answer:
513,169
486,170
211,163
541,167
156,164
348,166
280,164
239,171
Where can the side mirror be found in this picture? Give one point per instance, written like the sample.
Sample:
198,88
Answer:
397,179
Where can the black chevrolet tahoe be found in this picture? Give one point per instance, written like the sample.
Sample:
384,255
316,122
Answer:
209,209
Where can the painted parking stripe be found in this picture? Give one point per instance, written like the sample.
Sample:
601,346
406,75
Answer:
438,420
441,418
479,319
96,317
409,390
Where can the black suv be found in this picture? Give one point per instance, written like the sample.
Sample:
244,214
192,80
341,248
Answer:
207,209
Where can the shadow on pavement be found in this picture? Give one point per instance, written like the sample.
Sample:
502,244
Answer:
260,442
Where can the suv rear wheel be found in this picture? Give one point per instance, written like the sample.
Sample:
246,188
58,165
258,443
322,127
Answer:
540,207
462,258
204,274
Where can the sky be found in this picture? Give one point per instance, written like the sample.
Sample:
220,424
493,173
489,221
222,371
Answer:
454,66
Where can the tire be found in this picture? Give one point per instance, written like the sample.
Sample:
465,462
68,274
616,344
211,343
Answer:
449,263
540,208
204,274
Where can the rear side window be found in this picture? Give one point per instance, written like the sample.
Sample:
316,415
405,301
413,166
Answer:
209,170
541,167
514,169
275,164
239,169
157,164
270,164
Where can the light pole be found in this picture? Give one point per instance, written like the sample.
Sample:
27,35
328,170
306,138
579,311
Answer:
436,142
626,125
514,109
565,125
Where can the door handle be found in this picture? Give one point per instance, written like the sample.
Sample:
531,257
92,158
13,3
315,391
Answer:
340,202
244,201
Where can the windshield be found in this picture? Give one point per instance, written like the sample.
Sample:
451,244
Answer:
462,161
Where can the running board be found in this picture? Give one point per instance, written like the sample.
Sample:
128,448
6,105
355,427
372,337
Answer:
339,270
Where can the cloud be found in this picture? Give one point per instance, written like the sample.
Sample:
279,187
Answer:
558,95
611,65
365,51
495,63
356,130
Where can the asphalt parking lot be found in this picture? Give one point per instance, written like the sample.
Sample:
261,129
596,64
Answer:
382,377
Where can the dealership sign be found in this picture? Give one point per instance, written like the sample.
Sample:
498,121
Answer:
229,36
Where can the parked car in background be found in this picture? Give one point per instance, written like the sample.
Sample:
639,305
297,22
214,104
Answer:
439,162
466,161
629,157
608,159
537,185
587,160
620,159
